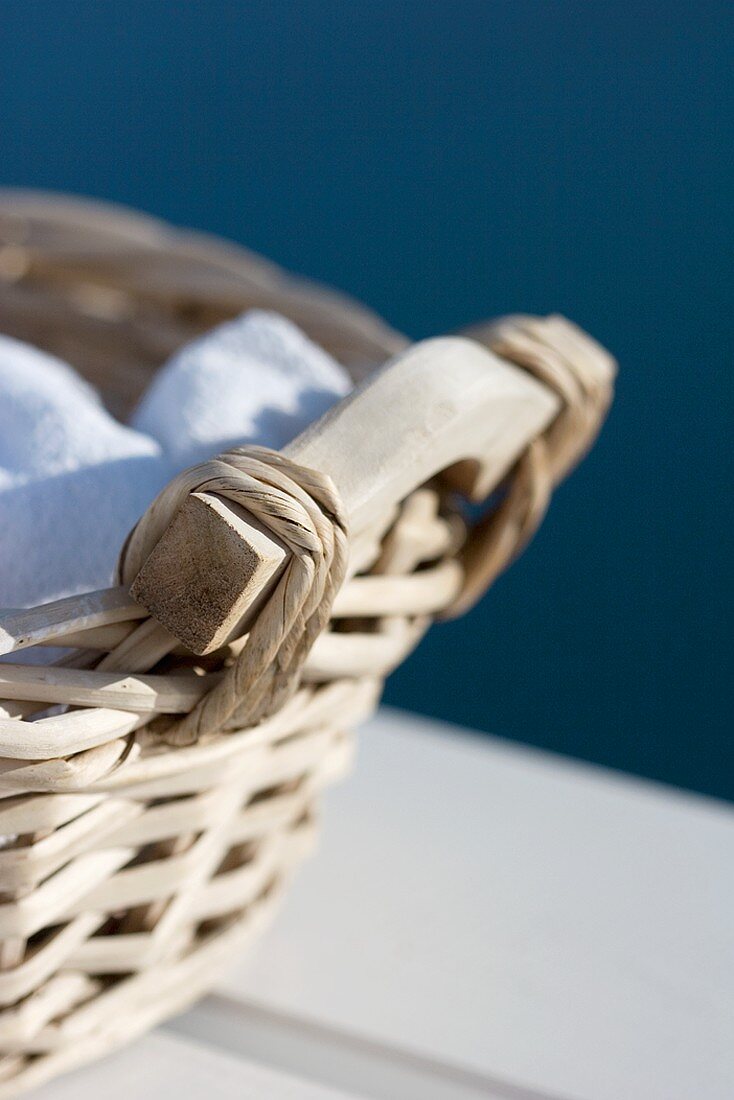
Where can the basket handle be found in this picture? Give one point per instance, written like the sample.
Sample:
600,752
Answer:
445,404
255,540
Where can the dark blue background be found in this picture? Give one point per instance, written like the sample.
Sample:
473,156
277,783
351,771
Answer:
446,162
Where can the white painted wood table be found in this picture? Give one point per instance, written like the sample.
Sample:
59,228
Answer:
482,920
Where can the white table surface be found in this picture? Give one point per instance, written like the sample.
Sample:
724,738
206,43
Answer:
482,920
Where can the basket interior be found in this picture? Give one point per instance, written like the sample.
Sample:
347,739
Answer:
115,293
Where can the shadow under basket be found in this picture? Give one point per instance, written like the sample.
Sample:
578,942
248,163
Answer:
161,781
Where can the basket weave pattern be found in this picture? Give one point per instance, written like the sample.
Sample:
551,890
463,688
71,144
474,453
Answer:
151,820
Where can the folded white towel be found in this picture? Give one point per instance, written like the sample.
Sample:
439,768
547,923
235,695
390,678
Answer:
256,379
73,480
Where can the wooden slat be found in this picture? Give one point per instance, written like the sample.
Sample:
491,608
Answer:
20,629
172,694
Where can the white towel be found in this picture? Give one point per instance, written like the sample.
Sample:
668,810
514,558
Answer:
73,480
257,379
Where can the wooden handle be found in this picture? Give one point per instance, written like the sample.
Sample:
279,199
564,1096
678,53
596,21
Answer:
446,404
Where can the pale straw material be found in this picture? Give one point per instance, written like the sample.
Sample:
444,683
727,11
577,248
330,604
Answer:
152,803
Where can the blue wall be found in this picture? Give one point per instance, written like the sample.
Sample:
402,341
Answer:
446,162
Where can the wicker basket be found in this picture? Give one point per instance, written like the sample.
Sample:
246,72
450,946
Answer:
151,818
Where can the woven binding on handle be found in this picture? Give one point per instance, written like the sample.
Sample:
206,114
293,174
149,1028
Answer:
302,509
581,373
